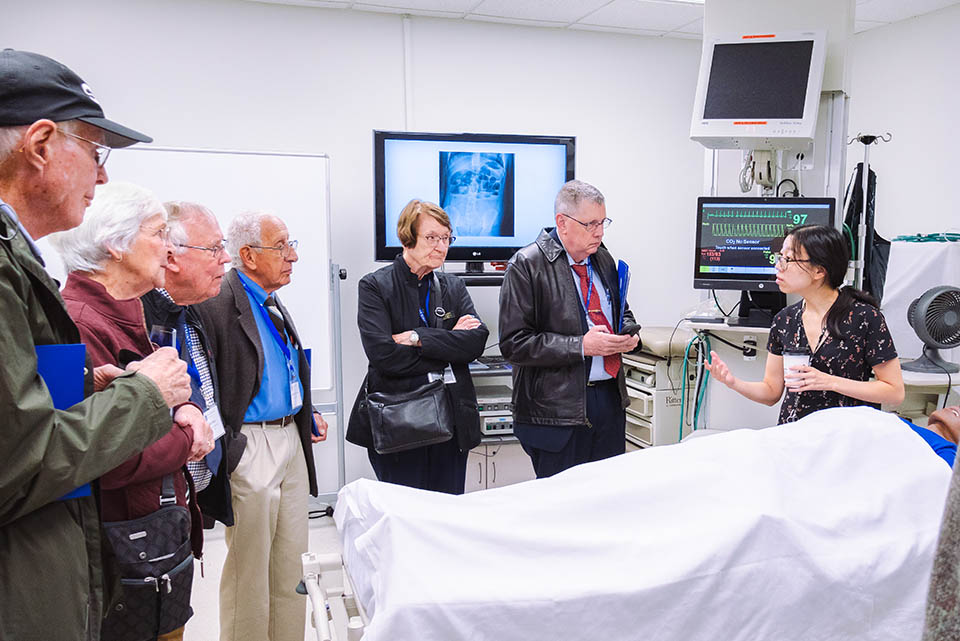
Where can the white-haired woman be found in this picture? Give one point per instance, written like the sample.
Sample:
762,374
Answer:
117,254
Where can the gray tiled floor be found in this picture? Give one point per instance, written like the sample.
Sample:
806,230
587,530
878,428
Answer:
205,624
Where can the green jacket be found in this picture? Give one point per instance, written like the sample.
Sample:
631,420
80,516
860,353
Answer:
51,578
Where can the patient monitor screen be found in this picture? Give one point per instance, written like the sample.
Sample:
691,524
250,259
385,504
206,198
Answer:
737,237
758,80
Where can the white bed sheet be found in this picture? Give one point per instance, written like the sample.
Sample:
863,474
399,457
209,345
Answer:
820,530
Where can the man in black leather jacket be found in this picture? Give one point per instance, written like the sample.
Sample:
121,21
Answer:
568,386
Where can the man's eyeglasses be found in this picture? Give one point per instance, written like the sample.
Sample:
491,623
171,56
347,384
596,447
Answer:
593,225
446,240
102,152
285,249
783,262
216,249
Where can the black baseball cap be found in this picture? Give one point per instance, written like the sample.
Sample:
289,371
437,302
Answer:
34,87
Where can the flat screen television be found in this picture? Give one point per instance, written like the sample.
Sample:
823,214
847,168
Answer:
736,238
498,189
759,91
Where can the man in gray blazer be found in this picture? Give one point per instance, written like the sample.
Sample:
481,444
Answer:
264,382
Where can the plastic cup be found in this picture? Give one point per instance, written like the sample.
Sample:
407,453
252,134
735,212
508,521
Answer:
793,359
163,336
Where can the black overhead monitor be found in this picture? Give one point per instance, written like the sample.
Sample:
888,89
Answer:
736,237
497,189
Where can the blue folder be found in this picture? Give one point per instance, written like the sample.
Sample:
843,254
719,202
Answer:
61,368
623,278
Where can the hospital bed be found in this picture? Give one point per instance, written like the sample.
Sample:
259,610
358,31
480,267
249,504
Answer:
820,530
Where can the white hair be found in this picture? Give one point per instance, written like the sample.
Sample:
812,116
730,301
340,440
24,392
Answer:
112,222
179,213
245,230
573,193
12,137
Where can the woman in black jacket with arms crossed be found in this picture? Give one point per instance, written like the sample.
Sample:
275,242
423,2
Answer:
415,323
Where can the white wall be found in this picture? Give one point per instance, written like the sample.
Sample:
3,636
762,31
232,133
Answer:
240,75
904,81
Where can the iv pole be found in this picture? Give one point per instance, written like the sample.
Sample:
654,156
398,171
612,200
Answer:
860,265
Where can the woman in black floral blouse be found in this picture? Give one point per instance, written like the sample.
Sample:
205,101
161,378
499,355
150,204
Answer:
840,327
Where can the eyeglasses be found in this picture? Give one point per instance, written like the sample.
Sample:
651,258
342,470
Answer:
162,232
446,240
285,249
783,262
593,225
216,249
101,152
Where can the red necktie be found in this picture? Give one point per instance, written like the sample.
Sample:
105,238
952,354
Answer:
610,363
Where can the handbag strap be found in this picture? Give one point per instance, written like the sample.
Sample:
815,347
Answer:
167,494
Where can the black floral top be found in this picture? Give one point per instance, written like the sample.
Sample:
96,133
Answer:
864,341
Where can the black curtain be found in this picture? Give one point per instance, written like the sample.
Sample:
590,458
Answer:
877,248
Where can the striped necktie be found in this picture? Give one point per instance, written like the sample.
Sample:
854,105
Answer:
276,316
611,363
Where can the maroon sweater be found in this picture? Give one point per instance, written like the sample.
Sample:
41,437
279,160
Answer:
106,326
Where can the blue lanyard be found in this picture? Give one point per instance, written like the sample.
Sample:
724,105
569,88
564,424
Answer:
191,366
426,306
273,330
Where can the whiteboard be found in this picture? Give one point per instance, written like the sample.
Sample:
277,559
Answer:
295,187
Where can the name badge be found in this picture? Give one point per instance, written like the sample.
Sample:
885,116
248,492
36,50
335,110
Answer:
296,400
212,414
434,376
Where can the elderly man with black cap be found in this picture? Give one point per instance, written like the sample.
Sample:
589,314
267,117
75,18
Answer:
54,140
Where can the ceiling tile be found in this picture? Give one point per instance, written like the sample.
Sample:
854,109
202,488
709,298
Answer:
529,23
692,28
894,10
633,32
376,8
865,25
551,10
645,14
323,4
445,6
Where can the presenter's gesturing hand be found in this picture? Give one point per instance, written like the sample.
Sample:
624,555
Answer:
719,370
598,341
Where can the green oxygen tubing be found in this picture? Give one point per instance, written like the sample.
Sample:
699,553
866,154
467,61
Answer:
704,340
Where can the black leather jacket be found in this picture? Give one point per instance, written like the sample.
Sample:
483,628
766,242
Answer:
388,304
541,332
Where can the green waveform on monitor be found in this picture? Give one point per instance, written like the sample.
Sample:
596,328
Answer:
749,230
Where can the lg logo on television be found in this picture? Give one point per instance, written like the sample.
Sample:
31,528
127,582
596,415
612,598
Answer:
475,253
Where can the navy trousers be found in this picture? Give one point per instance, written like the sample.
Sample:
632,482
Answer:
555,449
441,467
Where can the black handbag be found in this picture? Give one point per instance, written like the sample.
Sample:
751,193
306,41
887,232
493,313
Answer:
155,560
407,420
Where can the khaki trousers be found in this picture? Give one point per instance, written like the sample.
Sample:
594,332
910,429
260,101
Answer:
258,598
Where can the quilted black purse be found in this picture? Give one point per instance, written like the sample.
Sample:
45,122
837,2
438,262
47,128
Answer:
155,560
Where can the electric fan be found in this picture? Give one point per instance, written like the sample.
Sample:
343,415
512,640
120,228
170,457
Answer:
935,317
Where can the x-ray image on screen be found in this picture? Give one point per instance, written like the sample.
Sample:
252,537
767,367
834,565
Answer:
476,191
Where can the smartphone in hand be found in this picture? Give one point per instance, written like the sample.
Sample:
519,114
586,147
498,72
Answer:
630,328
